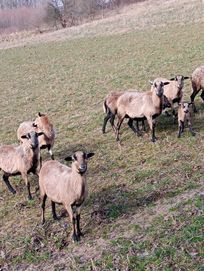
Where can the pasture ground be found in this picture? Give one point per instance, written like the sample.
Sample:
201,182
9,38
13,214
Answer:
145,204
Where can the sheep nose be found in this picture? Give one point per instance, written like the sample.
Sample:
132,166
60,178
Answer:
82,168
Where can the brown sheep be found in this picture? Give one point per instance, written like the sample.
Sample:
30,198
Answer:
41,124
22,159
65,185
174,91
197,83
184,115
141,105
110,108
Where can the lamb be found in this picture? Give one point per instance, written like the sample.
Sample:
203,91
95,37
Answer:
141,105
41,124
174,91
22,159
197,83
110,108
65,185
184,115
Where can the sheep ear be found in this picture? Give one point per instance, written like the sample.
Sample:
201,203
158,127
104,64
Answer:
89,155
186,77
40,133
39,114
190,103
35,125
151,82
172,79
24,136
68,158
166,83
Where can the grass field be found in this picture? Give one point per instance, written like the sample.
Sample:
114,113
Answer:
144,210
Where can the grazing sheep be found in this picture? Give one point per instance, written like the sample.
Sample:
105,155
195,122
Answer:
141,105
184,115
22,159
65,185
110,108
197,83
174,91
41,124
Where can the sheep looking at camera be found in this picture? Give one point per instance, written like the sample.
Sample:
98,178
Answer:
22,159
65,185
41,124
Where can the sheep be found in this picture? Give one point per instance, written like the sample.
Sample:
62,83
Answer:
197,83
174,91
141,105
21,159
110,108
41,124
184,115
65,185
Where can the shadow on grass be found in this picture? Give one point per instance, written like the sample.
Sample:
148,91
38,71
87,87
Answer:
115,201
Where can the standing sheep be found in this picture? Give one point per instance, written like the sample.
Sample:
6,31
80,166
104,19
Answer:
197,83
22,159
184,115
141,105
110,108
65,185
41,124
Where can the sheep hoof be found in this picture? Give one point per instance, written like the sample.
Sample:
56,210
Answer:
80,234
13,191
154,139
75,238
55,217
30,197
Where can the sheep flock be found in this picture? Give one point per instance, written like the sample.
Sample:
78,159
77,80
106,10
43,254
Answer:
68,185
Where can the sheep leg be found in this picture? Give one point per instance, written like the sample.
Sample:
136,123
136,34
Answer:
50,152
194,93
143,125
44,197
54,215
78,225
181,128
190,128
72,214
6,180
112,122
135,130
174,115
152,125
202,95
120,121
25,177
107,117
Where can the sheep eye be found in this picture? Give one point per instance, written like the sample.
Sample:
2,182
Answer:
74,157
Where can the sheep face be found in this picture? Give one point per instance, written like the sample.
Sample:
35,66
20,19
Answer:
32,139
179,79
158,87
185,107
79,161
41,121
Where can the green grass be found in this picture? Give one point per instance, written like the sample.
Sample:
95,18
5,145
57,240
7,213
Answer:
143,211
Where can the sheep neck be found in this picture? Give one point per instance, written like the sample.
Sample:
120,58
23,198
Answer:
32,156
157,101
79,184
